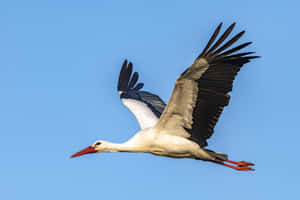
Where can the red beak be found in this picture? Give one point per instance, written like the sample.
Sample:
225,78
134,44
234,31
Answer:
87,150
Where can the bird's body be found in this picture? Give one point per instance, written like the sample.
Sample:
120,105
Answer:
159,143
181,128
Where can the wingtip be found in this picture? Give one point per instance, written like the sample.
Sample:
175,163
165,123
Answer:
124,62
232,25
127,79
219,27
252,57
139,86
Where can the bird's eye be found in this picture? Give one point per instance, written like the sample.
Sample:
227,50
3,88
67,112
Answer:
98,143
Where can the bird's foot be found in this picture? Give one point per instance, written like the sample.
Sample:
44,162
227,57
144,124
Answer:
241,166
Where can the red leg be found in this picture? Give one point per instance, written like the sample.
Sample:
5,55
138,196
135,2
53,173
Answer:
241,166
241,163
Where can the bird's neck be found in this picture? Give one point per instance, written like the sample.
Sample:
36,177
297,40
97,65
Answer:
124,147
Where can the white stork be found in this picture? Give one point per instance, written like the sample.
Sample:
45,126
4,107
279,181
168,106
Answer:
181,128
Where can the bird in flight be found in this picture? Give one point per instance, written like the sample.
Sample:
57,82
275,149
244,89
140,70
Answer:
181,128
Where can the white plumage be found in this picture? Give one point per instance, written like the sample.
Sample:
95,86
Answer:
144,116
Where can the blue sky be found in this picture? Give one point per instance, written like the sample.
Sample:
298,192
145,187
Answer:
59,64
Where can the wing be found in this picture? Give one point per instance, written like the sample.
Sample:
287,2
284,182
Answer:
145,106
201,92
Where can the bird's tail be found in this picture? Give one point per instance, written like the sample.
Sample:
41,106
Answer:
218,156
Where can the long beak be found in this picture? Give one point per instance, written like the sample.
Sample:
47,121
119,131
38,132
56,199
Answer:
87,150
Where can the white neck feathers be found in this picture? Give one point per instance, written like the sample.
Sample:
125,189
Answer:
124,147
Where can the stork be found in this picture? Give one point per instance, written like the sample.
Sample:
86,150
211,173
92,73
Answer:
181,128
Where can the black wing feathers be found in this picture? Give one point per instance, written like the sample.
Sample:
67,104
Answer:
230,42
126,82
139,86
211,40
222,38
133,80
216,82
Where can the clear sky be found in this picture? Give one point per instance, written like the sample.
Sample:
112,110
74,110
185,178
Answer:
59,65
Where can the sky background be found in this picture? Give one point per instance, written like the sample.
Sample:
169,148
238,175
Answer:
59,65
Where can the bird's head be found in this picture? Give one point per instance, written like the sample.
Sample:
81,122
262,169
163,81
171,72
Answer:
96,147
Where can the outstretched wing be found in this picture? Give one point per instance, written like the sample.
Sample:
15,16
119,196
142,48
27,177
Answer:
145,106
201,92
